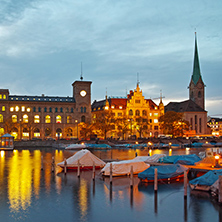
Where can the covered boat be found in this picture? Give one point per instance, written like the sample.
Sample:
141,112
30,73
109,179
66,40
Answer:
150,159
181,159
122,168
75,146
97,146
7,142
205,182
166,172
85,159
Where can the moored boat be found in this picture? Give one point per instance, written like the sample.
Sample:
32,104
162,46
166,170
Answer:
7,142
83,159
75,146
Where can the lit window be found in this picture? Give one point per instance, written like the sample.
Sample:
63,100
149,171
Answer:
47,119
23,109
106,107
0,96
58,119
16,108
155,107
112,107
150,114
155,120
11,109
155,114
120,107
28,109
36,119
14,118
69,118
25,118
4,96
1,118
3,108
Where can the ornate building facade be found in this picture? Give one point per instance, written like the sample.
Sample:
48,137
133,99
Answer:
142,114
29,117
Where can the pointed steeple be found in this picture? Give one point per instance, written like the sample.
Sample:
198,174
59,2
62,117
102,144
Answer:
196,66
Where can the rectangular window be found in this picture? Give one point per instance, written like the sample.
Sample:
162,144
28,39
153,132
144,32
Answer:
155,114
155,120
137,101
119,114
0,96
200,125
3,108
39,109
155,127
23,109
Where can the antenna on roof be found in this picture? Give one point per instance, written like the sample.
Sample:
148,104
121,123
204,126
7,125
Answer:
81,77
138,82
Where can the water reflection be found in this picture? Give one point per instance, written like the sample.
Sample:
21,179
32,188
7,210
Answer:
22,179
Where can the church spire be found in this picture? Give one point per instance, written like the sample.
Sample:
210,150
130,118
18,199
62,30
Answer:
196,66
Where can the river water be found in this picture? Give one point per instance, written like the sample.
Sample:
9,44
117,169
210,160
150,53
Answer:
28,193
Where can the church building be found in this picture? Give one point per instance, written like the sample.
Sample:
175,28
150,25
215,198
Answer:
194,108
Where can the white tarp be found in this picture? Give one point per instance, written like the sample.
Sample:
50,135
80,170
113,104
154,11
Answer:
149,159
75,146
124,167
85,157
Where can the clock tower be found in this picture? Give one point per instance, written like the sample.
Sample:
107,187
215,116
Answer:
82,96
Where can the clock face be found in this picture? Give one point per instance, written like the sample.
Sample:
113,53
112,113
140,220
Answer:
83,93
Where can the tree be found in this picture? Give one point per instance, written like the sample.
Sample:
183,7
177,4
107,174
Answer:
103,122
122,124
141,125
86,130
173,123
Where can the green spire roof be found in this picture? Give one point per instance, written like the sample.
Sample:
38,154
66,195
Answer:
196,66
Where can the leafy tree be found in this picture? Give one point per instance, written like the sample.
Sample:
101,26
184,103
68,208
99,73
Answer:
123,124
173,123
86,130
103,122
141,125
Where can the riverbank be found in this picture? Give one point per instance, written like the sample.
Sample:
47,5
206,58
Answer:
53,143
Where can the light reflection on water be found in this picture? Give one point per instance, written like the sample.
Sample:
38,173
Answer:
31,194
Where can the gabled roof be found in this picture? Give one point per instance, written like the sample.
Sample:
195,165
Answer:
184,106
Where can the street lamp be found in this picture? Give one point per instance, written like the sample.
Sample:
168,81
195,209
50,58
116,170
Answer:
77,128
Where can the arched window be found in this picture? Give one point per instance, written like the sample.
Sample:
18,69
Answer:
58,133
39,109
50,109
61,110
81,109
34,109
58,119
83,119
71,110
45,109
137,112
84,109
47,119
56,109
47,131
14,118
36,132
199,94
131,112
69,119
69,132
36,119
144,113
25,118
1,118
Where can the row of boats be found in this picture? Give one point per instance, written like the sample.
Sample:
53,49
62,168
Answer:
168,167
77,146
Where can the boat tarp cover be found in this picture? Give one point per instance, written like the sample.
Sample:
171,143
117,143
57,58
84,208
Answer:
85,157
163,172
150,159
91,145
124,167
181,159
207,179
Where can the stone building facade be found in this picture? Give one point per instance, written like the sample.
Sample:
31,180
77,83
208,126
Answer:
45,117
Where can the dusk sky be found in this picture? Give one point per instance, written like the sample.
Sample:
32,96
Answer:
43,42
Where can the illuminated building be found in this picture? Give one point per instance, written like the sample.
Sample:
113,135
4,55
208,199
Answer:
194,108
139,113
215,125
28,117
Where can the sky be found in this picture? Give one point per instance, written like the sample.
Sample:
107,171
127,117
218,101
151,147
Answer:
44,42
